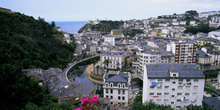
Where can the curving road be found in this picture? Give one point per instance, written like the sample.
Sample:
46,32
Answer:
73,64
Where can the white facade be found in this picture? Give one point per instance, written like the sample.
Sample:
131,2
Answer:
110,39
118,91
115,59
173,90
153,57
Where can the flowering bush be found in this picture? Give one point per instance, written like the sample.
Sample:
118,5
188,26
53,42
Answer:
87,104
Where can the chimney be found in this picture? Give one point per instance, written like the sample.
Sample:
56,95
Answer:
156,64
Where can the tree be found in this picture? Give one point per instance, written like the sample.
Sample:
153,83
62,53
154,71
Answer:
97,67
106,62
53,24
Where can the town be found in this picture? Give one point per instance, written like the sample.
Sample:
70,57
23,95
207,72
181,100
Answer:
169,60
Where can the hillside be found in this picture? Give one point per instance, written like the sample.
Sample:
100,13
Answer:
32,43
103,26
29,43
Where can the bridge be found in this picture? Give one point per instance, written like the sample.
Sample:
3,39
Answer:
76,62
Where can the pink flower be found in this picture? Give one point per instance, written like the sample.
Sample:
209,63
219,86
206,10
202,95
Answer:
94,98
85,100
78,108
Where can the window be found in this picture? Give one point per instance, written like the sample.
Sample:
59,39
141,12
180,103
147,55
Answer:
174,82
106,96
111,97
123,85
178,100
188,80
159,79
167,79
119,85
106,90
196,80
106,85
119,98
186,94
187,87
111,84
151,87
166,93
172,102
194,93
173,89
178,107
166,100
180,79
151,93
174,75
119,91
173,96
166,86
111,91
123,98
179,93
123,91
158,100
195,87
158,93
180,87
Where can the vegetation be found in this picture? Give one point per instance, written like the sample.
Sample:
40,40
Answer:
210,89
138,105
29,43
201,28
107,26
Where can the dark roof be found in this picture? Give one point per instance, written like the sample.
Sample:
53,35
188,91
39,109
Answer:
117,78
206,39
202,54
184,70
213,101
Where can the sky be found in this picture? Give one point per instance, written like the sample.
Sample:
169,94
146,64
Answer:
84,10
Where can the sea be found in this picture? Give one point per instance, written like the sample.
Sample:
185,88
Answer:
70,26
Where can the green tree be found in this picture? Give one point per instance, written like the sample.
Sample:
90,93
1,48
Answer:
53,24
106,62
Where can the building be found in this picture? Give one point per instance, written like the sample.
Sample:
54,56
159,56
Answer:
153,57
115,59
177,85
215,57
185,52
203,59
117,33
205,40
117,87
110,39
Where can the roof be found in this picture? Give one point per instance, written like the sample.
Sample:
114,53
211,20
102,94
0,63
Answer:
212,101
117,78
202,54
184,70
206,39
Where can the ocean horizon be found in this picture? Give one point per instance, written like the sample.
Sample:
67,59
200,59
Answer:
70,26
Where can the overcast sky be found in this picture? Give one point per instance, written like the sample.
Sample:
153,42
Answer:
83,10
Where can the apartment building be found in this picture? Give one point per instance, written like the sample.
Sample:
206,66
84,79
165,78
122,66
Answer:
177,85
110,39
153,57
117,87
185,52
115,59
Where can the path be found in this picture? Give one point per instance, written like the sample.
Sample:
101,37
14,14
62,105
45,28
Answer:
88,72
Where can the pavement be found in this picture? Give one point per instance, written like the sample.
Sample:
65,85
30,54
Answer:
88,72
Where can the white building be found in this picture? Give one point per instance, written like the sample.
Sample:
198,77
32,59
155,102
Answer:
215,57
185,52
153,57
117,87
110,38
177,85
115,59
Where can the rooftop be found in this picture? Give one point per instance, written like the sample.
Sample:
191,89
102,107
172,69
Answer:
184,70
